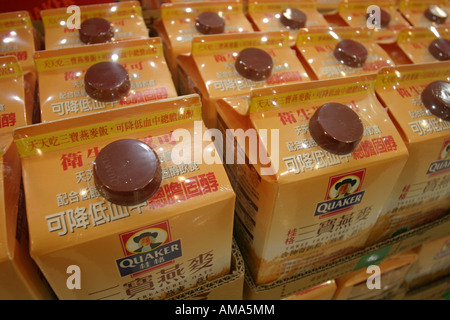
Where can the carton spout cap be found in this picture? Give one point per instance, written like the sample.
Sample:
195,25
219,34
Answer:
293,18
440,49
351,53
336,128
127,172
254,64
436,98
209,23
96,30
436,14
107,81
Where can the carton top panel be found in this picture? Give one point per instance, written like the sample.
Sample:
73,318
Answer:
65,28
419,43
216,57
400,89
322,49
280,116
12,107
179,20
67,149
61,73
354,12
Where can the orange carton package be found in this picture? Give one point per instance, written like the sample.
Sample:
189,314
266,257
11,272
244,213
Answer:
94,216
19,38
77,81
91,24
312,187
180,22
413,95
232,65
16,99
332,52
376,282
433,263
423,45
270,15
382,17
324,291
425,13
20,279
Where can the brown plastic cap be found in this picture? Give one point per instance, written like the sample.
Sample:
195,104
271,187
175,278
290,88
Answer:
436,14
440,49
254,64
96,30
127,172
385,18
351,53
436,98
293,18
209,23
336,128
107,81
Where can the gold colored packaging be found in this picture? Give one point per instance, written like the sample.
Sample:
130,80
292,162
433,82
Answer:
415,42
210,68
16,101
177,25
125,18
265,15
316,48
433,263
414,11
288,218
422,193
324,291
354,13
393,270
20,278
62,84
73,228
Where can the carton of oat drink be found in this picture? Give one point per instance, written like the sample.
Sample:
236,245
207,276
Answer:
312,164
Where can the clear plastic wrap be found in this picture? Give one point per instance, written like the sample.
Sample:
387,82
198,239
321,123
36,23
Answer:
188,221
293,210
62,83
125,18
422,193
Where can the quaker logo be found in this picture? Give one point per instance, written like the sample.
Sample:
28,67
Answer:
445,251
344,191
147,248
443,162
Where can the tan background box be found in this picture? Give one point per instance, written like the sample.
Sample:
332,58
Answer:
340,267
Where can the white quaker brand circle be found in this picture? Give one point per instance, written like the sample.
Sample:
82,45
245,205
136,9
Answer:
445,154
146,240
344,187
